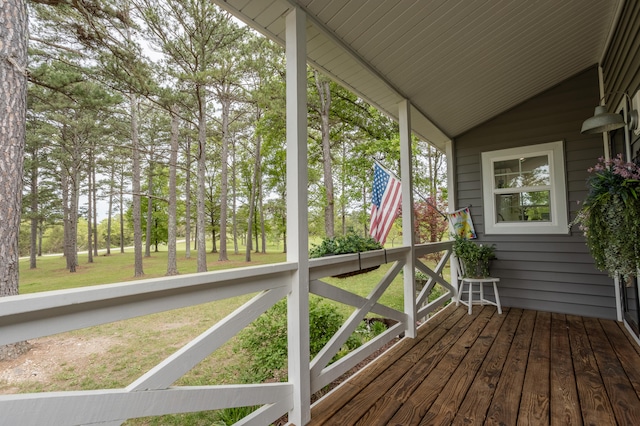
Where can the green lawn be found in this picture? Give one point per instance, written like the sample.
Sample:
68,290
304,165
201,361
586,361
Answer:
51,272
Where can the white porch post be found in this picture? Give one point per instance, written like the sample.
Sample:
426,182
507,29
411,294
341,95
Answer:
297,226
451,190
408,228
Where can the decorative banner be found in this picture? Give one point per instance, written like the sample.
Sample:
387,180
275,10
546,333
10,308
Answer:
460,224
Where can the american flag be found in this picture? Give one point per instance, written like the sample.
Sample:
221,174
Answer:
385,203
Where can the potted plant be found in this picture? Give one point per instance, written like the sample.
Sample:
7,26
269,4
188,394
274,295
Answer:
350,243
610,218
474,258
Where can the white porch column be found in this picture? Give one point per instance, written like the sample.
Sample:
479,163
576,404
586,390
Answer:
451,190
297,224
408,228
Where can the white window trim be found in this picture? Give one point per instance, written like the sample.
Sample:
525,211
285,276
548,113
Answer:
559,223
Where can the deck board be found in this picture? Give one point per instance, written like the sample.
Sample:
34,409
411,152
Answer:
521,367
534,401
624,400
445,407
596,407
564,394
506,401
476,405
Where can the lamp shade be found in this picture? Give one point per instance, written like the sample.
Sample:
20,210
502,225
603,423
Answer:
602,121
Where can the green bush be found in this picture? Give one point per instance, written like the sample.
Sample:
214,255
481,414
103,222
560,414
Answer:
265,341
264,344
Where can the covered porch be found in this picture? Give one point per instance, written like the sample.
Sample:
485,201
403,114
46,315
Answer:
521,367
461,78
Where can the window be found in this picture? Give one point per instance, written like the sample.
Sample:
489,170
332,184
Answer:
524,190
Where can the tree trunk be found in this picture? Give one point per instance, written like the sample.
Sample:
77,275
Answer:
234,181
13,92
74,196
343,185
254,189
284,234
122,210
364,209
263,232
89,216
34,211
110,210
95,205
224,178
202,164
187,195
147,240
13,95
40,234
172,259
135,189
325,105
64,185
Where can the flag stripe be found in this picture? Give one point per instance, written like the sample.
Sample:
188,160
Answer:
386,199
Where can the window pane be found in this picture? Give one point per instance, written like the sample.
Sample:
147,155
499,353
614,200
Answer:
521,172
523,207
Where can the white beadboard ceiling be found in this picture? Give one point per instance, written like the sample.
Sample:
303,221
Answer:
459,62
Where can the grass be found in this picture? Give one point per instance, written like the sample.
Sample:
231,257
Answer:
51,272
138,344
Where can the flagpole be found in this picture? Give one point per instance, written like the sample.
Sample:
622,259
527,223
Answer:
414,191
432,206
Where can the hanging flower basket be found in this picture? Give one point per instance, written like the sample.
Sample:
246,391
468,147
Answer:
610,216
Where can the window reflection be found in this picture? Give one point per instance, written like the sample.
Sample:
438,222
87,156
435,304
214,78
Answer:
522,172
533,206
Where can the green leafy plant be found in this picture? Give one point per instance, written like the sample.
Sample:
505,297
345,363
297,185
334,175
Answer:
265,341
609,216
350,243
367,330
475,258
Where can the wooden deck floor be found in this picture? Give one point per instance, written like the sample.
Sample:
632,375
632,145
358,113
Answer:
519,368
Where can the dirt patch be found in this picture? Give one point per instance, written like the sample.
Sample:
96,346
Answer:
47,357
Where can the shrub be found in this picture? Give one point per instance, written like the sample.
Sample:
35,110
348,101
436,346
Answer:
265,341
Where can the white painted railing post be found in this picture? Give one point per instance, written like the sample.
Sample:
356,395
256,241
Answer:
297,226
408,228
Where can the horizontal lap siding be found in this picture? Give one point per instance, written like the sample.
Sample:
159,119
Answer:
543,272
621,64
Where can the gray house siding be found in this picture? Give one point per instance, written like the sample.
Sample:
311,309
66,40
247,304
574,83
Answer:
544,272
621,63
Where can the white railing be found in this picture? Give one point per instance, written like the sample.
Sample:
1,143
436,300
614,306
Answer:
41,314
321,373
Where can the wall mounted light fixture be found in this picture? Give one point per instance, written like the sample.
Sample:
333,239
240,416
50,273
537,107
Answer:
604,121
